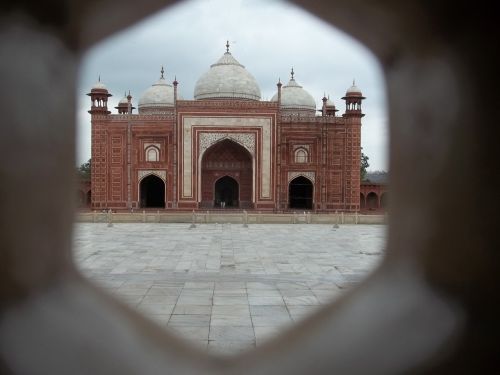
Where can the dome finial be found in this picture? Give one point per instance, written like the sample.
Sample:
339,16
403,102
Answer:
292,72
162,71
353,82
99,78
227,46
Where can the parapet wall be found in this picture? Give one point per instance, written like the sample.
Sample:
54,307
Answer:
232,217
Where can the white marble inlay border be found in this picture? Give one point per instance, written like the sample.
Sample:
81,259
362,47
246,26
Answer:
310,175
246,140
145,172
305,147
157,145
189,123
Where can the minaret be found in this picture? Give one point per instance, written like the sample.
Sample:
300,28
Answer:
279,84
129,103
175,83
352,118
174,144
323,109
280,195
99,98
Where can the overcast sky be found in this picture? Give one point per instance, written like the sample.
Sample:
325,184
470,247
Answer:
268,37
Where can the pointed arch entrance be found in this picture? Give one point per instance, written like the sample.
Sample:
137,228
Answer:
300,193
152,192
226,176
226,192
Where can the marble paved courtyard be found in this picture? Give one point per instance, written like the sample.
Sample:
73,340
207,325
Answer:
225,287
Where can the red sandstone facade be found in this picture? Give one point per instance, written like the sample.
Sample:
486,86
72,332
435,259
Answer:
225,152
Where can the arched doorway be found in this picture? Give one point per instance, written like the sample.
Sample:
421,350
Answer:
152,192
226,192
300,193
226,175
372,201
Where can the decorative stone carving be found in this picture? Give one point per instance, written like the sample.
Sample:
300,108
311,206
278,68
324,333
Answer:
246,140
157,145
310,175
305,147
145,172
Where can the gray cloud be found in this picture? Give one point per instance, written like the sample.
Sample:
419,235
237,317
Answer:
268,37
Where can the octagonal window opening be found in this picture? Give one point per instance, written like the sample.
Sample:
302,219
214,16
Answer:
267,62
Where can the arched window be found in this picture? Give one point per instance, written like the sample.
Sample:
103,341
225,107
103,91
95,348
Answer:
301,156
152,154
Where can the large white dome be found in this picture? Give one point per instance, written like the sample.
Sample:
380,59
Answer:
295,99
157,98
227,79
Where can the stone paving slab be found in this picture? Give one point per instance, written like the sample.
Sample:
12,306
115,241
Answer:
224,287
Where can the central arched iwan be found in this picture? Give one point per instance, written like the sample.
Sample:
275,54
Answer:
226,159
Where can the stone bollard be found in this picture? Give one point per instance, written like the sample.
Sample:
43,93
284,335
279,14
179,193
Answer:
94,216
157,216
356,217
143,216
336,225
193,221
110,218
245,219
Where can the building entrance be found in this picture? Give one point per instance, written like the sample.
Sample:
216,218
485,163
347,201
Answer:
300,193
226,176
152,192
226,192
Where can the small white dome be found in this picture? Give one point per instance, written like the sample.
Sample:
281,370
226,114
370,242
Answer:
159,96
294,97
99,85
227,79
329,103
123,100
353,90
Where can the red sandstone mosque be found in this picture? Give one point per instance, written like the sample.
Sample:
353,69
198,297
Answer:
226,148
